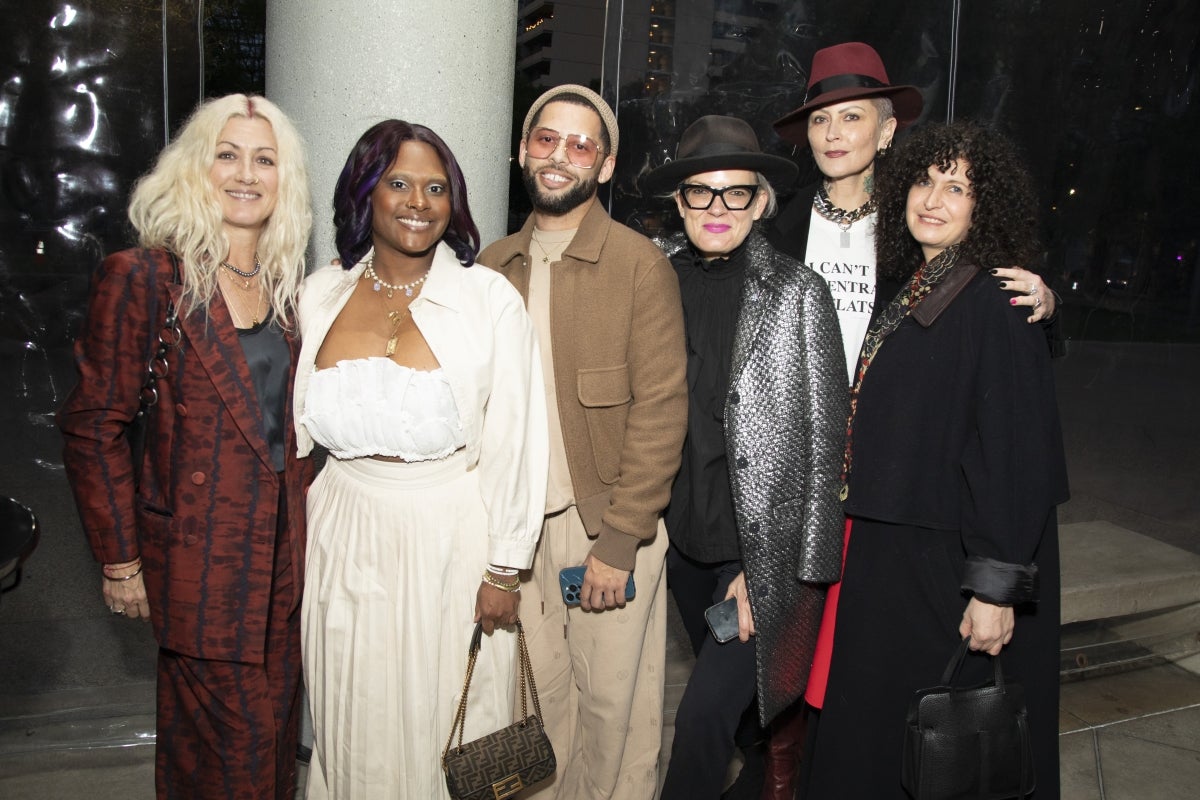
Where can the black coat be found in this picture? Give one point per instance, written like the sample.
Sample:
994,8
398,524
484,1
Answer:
957,460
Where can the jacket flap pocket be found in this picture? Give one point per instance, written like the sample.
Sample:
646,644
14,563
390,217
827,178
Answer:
604,387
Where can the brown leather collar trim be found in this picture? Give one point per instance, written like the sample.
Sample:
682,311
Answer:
942,295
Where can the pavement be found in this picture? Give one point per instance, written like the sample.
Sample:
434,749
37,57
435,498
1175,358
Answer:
1127,736
76,683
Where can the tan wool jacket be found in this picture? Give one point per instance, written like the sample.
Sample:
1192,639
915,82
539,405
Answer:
617,341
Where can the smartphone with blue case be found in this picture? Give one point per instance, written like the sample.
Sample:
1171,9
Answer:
570,580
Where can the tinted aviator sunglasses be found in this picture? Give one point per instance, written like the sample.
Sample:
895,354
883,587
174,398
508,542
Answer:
699,197
582,151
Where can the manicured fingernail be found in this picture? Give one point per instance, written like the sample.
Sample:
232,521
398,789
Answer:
1012,302
992,271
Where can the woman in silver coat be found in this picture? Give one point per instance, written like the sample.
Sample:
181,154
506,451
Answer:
754,512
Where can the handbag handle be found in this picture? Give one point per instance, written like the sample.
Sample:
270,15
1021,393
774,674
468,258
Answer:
157,368
169,336
960,655
525,668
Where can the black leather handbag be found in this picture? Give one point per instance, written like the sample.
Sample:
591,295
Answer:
968,742
503,763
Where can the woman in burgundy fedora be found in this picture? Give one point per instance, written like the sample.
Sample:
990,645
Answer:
955,530
850,114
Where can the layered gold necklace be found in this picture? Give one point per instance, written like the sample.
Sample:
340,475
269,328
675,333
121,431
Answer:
243,295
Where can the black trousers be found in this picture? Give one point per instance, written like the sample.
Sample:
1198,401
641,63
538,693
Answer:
720,689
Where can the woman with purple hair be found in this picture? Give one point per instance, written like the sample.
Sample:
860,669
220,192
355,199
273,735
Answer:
421,377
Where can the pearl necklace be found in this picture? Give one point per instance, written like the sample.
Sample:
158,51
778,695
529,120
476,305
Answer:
245,275
380,283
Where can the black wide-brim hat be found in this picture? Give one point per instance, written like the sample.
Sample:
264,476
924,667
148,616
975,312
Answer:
845,72
714,143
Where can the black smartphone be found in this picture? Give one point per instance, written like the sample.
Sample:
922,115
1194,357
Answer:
722,620
570,580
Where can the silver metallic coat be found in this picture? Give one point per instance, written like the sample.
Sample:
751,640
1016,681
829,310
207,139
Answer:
785,424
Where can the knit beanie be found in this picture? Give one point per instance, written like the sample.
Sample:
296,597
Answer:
597,102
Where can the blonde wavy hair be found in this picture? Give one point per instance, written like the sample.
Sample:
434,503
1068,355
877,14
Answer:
175,206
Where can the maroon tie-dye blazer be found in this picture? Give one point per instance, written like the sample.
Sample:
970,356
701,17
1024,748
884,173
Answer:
204,518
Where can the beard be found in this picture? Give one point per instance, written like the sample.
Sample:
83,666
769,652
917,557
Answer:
558,204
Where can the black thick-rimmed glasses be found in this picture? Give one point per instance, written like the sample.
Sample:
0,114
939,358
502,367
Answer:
698,197
582,151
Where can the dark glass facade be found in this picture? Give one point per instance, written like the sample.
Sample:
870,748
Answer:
88,94
1102,96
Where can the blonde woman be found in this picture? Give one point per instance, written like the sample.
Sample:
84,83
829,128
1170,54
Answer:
204,535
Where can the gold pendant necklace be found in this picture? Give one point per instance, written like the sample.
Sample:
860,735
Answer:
395,317
241,312
239,306
542,247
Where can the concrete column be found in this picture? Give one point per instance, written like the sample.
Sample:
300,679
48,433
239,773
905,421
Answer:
336,67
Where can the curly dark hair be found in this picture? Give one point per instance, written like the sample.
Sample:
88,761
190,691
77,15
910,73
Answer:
1003,228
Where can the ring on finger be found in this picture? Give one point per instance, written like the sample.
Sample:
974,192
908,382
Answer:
1037,302
1033,288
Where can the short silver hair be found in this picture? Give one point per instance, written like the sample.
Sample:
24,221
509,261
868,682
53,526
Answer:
885,108
772,205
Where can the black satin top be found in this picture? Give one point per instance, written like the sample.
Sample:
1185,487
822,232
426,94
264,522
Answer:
269,359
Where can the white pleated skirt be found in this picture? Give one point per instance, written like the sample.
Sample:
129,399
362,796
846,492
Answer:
395,554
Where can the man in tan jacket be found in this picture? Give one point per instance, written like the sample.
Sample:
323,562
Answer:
606,306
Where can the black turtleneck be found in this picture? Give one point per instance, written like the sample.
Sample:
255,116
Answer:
700,517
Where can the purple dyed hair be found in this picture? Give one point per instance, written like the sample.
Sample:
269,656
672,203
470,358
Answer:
372,155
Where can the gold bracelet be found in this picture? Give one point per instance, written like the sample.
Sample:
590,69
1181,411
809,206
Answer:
128,577
510,586
133,562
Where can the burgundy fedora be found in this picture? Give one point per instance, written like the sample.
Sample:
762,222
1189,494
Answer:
843,72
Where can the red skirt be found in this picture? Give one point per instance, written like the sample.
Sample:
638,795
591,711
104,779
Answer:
818,677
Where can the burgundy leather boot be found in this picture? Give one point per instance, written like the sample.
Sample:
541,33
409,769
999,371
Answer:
783,754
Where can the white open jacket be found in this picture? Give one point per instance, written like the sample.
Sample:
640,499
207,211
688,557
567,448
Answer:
478,329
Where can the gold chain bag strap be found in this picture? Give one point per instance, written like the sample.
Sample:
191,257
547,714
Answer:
503,763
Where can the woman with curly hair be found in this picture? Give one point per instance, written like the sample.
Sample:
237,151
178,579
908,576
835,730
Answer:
421,377
204,536
850,114
953,468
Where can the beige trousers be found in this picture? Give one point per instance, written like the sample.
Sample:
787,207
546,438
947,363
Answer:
599,674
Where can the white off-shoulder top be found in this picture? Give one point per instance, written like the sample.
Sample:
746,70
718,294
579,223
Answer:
376,407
